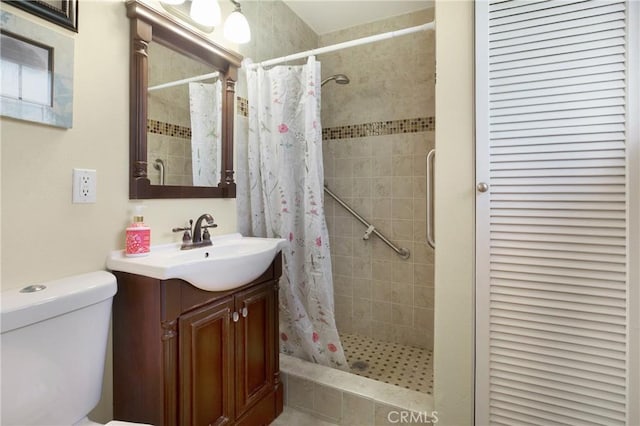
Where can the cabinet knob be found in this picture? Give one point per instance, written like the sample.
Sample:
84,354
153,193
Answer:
245,312
236,317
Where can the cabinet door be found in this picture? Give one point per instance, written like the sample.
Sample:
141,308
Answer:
206,365
255,345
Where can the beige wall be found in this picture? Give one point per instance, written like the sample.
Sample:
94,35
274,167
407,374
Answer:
382,177
44,235
455,199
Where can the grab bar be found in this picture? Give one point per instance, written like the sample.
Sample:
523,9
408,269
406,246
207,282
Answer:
430,179
159,165
402,252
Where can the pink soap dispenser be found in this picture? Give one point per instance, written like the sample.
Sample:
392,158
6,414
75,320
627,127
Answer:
138,241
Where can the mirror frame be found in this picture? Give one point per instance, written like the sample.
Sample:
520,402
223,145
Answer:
147,24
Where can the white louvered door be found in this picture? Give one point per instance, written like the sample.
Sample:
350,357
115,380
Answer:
553,136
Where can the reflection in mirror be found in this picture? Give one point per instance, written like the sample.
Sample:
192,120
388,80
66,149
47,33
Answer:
182,150
184,120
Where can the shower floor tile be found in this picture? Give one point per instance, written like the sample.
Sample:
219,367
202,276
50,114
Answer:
400,365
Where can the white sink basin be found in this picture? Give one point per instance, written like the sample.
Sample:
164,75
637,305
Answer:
232,261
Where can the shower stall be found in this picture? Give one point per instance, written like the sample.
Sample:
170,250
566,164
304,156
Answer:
377,115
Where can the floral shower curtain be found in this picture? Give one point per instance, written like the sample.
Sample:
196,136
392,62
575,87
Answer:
205,101
283,197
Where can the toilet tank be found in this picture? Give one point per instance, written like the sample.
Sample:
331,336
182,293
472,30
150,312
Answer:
53,348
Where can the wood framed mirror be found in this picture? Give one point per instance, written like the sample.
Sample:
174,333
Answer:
167,131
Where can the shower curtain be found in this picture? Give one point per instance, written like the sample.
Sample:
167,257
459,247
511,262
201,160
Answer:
205,101
282,196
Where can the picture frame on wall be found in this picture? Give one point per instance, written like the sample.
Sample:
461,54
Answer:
36,69
61,12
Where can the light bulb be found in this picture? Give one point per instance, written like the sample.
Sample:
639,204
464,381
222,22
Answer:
236,28
206,12
172,2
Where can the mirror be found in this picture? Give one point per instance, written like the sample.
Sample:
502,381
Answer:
181,137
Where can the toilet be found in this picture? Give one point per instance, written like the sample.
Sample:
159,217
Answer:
53,347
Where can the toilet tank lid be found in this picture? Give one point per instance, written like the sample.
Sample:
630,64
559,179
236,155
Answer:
58,297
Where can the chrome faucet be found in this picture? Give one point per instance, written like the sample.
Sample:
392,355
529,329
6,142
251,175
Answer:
201,236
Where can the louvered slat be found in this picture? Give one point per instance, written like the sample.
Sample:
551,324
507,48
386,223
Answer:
557,291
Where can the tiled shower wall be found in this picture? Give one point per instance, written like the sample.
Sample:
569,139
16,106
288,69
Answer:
377,132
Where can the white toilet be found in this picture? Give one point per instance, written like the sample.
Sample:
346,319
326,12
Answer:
53,347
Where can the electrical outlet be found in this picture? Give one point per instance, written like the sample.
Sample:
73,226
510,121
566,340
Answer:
84,186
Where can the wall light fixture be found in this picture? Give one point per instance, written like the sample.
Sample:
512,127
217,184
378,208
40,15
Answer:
236,26
206,15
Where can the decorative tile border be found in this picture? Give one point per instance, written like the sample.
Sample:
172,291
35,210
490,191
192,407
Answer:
168,129
243,106
376,128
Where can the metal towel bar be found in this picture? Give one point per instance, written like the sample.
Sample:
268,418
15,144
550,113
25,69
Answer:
402,252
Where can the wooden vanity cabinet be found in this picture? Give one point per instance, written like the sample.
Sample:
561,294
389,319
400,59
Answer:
184,356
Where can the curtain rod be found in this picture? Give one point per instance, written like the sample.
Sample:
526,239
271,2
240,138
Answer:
344,45
184,81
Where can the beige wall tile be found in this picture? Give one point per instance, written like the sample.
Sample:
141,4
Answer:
342,265
402,208
342,246
327,402
423,274
381,186
362,186
423,318
381,208
401,187
401,315
383,331
344,167
361,248
342,285
362,267
423,296
362,309
357,410
300,393
343,312
362,147
402,294
402,165
381,269
363,288
343,225
402,229
381,311
382,291
402,273
361,167
362,327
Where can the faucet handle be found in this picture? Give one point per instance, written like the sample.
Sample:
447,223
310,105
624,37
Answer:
205,233
186,237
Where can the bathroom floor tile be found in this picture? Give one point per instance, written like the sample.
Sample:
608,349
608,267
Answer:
400,365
